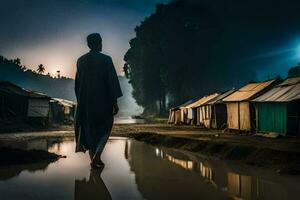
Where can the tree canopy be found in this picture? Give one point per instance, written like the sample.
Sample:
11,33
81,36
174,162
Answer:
41,69
172,56
294,71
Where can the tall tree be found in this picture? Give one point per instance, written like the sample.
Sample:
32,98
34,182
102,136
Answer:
17,61
58,74
41,69
171,53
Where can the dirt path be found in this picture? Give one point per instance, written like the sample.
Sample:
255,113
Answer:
195,133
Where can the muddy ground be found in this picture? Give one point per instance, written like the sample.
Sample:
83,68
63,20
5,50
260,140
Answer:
281,154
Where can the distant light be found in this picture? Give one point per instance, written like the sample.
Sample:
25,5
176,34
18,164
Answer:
157,152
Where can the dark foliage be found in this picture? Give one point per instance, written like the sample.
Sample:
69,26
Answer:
173,55
294,71
191,48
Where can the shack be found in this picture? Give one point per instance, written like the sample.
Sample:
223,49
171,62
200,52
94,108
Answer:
240,110
278,110
62,110
177,114
217,112
18,104
194,111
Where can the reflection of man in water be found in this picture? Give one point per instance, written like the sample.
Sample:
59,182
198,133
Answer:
97,89
92,189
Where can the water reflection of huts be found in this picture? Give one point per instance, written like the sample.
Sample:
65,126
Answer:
150,166
7,173
51,145
264,107
158,179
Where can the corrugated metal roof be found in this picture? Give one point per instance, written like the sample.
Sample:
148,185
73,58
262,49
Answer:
183,105
288,90
220,97
64,102
9,87
290,81
248,91
202,101
186,103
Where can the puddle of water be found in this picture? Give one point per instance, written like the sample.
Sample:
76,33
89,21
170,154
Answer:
135,170
128,120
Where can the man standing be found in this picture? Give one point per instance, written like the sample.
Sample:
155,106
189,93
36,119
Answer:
97,89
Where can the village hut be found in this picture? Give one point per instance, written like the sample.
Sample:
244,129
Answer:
217,112
18,104
62,110
196,115
240,110
177,114
278,110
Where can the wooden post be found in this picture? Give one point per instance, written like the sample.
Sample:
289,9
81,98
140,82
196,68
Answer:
215,119
256,118
239,125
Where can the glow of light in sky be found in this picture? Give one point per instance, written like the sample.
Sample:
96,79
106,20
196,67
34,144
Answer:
61,54
56,39
298,52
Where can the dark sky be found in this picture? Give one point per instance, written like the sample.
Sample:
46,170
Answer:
52,32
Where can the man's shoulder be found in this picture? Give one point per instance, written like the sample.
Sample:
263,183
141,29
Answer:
105,57
84,56
100,56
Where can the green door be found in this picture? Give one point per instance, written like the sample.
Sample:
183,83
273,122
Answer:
272,117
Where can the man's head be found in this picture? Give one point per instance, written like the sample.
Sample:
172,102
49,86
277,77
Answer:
94,41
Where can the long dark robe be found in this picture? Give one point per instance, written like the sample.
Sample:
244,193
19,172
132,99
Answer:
97,89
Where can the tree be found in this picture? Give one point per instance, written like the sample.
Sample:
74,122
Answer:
23,68
40,69
294,71
170,52
190,48
16,61
58,74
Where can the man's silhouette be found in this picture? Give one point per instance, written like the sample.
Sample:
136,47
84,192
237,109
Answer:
97,89
92,189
